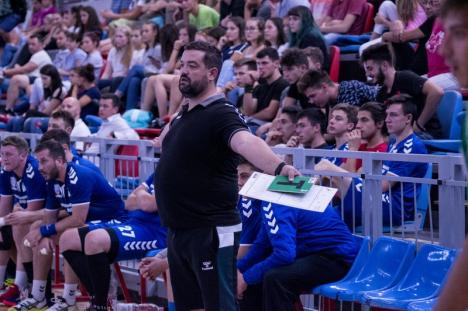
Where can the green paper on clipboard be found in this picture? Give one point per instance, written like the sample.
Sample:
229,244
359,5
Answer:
300,184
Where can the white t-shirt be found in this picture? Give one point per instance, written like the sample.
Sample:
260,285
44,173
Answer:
80,130
95,59
137,57
41,59
115,60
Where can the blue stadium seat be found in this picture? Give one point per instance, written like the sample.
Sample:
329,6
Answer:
328,290
423,280
451,105
387,263
424,305
93,122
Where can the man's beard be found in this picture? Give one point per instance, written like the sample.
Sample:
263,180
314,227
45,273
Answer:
380,79
192,89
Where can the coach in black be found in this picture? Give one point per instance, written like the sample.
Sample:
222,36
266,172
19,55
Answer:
196,185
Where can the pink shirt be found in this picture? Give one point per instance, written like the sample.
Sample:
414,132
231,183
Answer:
418,18
435,62
340,8
38,17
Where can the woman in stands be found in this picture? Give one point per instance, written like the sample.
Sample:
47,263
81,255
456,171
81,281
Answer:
90,44
303,32
426,60
254,35
214,34
89,21
119,59
46,95
159,86
139,47
274,34
234,39
85,90
152,65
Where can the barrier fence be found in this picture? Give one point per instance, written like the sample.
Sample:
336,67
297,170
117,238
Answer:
439,209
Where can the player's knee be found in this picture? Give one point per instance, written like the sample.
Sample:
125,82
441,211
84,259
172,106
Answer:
70,240
96,241
36,224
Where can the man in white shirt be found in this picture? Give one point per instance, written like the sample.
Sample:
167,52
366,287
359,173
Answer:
72,105
113,125
23,76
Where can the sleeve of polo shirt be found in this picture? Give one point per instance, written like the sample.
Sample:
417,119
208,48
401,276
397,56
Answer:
228,121
5,187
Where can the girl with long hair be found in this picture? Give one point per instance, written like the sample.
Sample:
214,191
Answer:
85,90
90,44
275,35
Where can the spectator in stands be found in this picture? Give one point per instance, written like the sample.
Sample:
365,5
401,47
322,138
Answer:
103,246
24,183
90,45
200,15
283,127
61,41
310,128
234,39
254,36
130,87
378,63
344,17
303,32
275,35
288,256
320,10
315,57
186,34
214,34
123,13
75,56
89,197
85,90
23,76
261,102
401,111
113,126
369,135
138,46
323,92
279,8
426,59
12,13
46,7
61,120
242,70
294,64
89,21
80,129
399,16
119,59
454,50
43,102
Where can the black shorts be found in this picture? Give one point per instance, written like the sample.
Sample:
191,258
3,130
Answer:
203,268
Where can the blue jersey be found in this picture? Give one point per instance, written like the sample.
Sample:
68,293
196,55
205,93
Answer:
84,186
149,184
86,163
290,233
249,210
30,187
410,145
335,160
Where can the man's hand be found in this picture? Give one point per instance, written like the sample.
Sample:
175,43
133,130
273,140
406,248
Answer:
151,267
107,14
354,139
18,218
293,142
32,238
241,285
290,171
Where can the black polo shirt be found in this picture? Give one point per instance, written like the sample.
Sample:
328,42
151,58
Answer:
196,177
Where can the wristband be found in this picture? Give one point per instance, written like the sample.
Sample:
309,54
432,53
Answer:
48,230
279,168
248,88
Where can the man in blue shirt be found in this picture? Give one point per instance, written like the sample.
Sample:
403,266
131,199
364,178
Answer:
296,250
132,239
76,197
24,186
397,199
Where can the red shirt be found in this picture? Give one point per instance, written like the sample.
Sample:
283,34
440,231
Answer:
340,8
363,147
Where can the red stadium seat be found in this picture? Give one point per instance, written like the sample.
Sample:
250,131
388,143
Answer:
127,168
147,133
369,21
334,63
